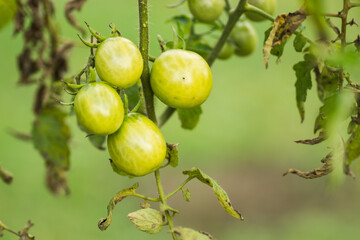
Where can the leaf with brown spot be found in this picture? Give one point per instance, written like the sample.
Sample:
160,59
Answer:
147,220
218,190
284,26
322,137
191,234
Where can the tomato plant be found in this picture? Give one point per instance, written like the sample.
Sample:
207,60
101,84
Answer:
138,147
267,5
206,10
181,79
245,38
99,109
118,61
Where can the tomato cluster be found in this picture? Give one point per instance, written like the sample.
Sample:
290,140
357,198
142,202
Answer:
179,78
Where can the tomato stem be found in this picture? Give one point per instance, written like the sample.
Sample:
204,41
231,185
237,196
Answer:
163,201
179,188
148,95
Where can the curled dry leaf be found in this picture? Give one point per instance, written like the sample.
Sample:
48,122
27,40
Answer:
69,8
316,173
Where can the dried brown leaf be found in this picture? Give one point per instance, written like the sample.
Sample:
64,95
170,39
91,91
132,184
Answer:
69,8
316,173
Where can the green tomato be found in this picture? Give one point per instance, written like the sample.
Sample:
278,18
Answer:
181,79
245,38
138,147
99,108
206,10
265,5
8,8
226,52
118,61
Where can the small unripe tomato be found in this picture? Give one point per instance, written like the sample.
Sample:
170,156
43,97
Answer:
206,10
99,108
181,78
226,52
245,38
118,61
8,8
138,147
265,5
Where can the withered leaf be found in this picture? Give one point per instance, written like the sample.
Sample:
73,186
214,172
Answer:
69,8
284,26
316,173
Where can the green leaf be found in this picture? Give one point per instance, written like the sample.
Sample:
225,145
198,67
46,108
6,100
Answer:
303,81
299,42
327,82
186,194
50,135
190,234
104,223
189,118
97,141
147,220
353,145
133,95
201,48
219,192
183,23
172,154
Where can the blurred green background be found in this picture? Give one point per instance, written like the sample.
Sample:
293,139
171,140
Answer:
245,140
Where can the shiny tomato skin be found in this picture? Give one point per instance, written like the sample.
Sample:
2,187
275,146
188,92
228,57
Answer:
99,108
245,38
206,10
265,5
8,8
118,61
181,79
138,147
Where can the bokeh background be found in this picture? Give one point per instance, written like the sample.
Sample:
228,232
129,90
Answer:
245,140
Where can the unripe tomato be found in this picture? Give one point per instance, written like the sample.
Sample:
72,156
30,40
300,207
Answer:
138,147
226,52
206,10
8,9
265,5
181,78
99,109
245,38
118,61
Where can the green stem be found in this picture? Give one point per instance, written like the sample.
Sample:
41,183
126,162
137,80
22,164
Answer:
146,198
163,201
179,188
251,8
233,18
344,15
169,111
148,94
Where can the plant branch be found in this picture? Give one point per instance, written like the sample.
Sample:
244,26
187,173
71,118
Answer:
179,188
233,18
165,116
251,8
163,201
342,36
148,95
